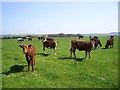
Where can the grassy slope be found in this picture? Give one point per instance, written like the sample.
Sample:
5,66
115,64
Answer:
101,71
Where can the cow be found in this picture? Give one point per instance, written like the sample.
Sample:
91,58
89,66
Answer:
49,44
20,39
30,53
95,37
81,46
41,38
81,36
110,42
29,38
95,42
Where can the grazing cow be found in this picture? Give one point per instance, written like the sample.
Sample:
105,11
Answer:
80,45
110,43
29,38
30,53
41,38
20,39
81,36
49,44
95,42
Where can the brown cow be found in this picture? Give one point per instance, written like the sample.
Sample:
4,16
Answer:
49,44
109,42
30,53
80,45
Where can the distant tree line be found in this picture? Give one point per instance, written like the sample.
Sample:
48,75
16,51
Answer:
36,36
14,37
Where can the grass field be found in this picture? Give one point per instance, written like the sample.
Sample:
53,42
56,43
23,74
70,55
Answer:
59,71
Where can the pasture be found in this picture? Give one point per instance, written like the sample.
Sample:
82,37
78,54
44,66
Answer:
60,71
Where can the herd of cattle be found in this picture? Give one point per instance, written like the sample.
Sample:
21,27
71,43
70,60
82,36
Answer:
30,50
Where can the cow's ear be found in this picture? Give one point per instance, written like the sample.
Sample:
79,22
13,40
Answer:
29,45
21,46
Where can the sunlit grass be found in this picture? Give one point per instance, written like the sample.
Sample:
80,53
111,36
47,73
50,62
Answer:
59,71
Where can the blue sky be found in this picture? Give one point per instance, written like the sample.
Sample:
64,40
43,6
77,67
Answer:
59,17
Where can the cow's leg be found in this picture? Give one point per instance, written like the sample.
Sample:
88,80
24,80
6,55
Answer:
85,54
28,61
33,63
71,52
55,51
96,46
112,45
34,60
74,53
44,50
89,55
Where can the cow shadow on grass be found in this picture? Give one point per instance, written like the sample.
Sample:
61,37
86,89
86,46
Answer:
76,59
104,48
14,69
42,54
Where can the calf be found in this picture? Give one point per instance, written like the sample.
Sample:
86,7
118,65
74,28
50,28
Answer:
109,42
81,46
49,44
30,53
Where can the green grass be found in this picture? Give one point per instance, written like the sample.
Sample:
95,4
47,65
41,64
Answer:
58,71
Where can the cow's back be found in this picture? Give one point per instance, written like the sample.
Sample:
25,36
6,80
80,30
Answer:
50,44
81,45
31,51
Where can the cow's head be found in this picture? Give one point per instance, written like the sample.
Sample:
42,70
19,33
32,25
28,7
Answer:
24,47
